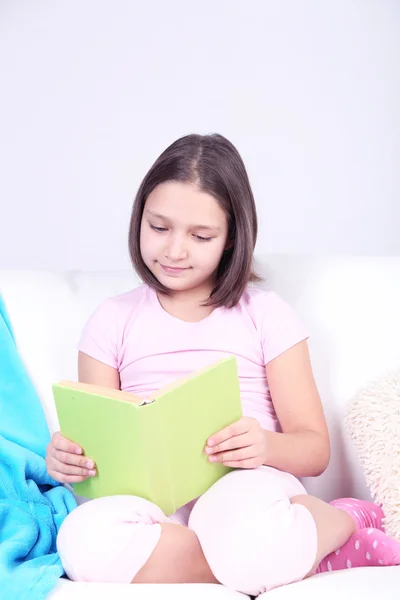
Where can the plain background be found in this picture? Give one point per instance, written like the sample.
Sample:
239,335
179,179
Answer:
93,91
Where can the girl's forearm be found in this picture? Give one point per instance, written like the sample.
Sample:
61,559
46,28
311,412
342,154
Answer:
304,453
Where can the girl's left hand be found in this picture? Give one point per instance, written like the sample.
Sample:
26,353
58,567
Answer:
242,445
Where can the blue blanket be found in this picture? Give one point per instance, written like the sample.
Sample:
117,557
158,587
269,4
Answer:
32,504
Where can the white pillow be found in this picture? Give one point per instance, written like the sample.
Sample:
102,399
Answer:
373,423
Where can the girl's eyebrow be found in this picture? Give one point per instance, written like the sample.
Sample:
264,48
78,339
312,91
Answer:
206,227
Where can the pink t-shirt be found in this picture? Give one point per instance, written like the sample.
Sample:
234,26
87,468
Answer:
150,348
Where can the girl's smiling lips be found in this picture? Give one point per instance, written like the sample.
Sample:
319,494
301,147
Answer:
168,269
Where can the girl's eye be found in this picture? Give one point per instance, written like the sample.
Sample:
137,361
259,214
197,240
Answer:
199,238
203,239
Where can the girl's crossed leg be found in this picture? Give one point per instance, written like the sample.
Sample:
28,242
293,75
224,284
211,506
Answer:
126,539
253,530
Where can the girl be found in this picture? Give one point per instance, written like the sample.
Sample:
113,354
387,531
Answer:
192,235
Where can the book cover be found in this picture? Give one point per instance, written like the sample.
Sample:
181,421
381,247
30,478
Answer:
153,448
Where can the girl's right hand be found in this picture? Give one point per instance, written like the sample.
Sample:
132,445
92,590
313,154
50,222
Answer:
65,461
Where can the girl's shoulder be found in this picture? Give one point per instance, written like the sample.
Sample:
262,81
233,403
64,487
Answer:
267,307
103,332
275,320
259,300
121,306
131,298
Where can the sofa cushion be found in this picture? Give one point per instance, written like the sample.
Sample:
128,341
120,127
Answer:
373,423
67,590
368,583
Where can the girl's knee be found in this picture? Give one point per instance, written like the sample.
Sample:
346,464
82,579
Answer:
109,539
253,538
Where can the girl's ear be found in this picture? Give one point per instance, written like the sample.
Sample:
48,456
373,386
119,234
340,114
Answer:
228,245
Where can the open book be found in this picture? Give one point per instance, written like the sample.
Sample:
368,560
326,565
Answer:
153,448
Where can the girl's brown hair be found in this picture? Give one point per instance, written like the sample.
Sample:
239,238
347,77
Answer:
212,163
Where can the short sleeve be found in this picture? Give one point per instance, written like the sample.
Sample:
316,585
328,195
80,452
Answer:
281,328
99,338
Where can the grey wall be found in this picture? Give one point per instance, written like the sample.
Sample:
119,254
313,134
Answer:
93,91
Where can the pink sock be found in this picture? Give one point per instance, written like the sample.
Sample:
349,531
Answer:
364,514
366,548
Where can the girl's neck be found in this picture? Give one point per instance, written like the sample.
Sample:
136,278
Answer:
187,305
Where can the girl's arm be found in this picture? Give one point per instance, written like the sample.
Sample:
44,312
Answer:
303,447
95,372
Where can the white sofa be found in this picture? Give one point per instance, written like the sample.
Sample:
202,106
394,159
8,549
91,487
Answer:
352,309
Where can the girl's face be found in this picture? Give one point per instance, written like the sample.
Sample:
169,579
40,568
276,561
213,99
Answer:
183,235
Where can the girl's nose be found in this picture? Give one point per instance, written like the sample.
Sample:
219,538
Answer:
176,249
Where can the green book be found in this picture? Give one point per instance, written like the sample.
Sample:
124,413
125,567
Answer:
152,448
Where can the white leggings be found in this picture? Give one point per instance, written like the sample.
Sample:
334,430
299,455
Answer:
253,538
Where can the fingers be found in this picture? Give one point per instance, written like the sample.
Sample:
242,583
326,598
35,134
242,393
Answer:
65,451
67,478
66,473
240,441
59,442
67,469
237,455
238,428
73,459
65,461
70,470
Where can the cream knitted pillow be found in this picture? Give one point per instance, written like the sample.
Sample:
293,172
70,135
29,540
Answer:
373,423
